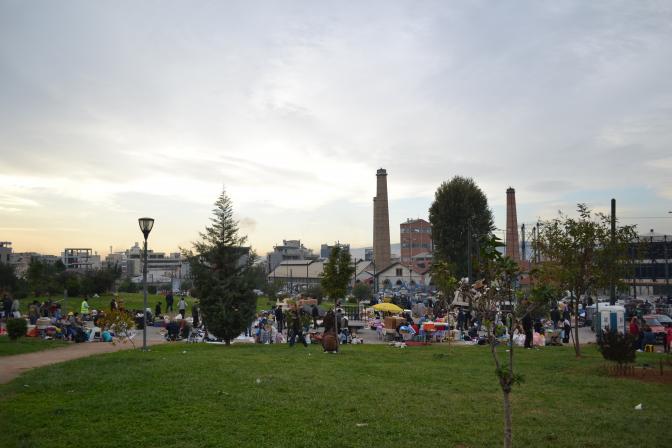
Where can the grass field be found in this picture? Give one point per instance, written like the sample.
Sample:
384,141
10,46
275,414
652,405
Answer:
26,345
182,395
132,300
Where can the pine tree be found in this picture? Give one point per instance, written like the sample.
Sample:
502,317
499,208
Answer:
337,272
221,268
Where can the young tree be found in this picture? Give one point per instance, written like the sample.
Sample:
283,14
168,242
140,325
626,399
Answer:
337,273
222,273
580,256
460,209
489,294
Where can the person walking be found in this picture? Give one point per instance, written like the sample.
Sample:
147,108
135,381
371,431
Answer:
169,302
182,307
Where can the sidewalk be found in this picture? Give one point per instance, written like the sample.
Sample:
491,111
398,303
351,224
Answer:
13,366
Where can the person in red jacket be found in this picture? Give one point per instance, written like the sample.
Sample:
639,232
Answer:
633,329
668,340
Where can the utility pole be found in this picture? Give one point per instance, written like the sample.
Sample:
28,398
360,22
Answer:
522,231
667,267
469,274
612,280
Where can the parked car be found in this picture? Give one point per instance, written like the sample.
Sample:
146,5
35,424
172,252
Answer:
656,327
665,321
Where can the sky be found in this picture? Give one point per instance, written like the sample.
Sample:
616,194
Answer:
110,111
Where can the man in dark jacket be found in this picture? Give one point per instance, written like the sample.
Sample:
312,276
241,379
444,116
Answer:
169,301
316,314
527,327
555,317
279,318
7,306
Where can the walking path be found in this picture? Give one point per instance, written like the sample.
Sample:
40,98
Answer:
13,366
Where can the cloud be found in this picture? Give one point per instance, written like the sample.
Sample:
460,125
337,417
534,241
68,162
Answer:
292,107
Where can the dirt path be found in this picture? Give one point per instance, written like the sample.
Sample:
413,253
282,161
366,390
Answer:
13,366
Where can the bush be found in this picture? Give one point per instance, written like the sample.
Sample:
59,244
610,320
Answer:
16,328
617,347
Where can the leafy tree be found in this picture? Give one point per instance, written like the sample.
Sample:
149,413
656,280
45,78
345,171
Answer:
446,283
316,292
361,291
8,278
127,285
337,273
579,255
459,208
221,271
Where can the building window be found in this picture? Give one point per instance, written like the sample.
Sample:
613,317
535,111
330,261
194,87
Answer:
400,272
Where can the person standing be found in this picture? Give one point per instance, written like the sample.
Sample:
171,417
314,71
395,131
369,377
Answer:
169,302
84,309
157,309
279,318
33,312
555,317
113,304
527,328
633,329
567,329
194,314
7,306
182,307
16,309
316,314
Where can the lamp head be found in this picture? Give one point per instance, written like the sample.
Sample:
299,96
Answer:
146,225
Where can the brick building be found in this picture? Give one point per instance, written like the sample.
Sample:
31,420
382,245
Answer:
415,238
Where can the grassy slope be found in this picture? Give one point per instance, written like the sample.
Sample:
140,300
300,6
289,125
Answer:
209,396
26,345
131,301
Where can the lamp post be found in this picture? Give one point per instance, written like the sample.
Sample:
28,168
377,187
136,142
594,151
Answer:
146,225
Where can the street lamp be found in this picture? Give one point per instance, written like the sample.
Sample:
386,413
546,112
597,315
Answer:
146,225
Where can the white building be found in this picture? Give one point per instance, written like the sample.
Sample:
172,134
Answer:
289,250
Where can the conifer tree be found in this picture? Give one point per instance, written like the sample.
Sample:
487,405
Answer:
221,267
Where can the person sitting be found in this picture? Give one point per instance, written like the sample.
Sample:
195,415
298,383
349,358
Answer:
173,331
649,337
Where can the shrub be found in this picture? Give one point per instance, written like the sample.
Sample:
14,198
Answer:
617,347
16,328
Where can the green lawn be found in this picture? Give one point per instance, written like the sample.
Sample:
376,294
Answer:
131,301
26,345
368,396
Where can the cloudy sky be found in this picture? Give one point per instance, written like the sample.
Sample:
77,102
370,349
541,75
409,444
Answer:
114,110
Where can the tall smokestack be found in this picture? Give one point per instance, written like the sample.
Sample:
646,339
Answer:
381,222
512,247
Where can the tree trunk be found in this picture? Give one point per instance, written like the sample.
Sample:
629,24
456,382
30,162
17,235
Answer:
227,342
575,308
508,427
